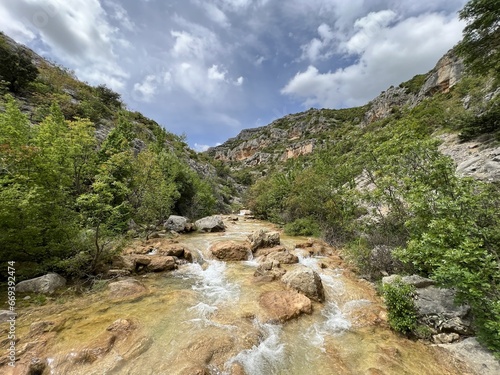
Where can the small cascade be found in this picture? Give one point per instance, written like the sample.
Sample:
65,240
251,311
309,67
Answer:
267,357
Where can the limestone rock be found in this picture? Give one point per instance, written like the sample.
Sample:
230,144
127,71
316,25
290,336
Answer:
210,224
478,358
269,271
283,257
285,305
46,284
263,238
306,281
161,263
126,288
436,307
415,280
445,338
177,224
230,251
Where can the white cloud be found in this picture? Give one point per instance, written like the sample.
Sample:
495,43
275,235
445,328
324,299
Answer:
315,49
76,31
146,90
239,81
121,15
215,74
388,53
216,15
201,148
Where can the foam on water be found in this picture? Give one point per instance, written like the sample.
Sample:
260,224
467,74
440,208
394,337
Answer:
267,358
212,283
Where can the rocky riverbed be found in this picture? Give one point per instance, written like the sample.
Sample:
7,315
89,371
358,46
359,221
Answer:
247,300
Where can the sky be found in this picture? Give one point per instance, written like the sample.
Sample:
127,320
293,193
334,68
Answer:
207,69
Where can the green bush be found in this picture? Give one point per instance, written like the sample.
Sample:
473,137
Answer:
303,227
401,307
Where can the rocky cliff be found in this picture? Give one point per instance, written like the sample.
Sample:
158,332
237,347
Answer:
303,133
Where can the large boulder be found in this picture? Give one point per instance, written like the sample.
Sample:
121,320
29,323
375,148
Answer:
161,263
281,306
263,238
436,307
126,288
46,284
306,281
210,224
230,250
178,224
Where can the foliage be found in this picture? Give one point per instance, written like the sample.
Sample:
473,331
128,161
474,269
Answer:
480,45
414,85
16,67
303,227
402,314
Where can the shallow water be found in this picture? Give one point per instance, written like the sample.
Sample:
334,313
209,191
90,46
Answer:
206,315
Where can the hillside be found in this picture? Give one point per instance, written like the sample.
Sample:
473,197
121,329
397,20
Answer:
261,149
79,171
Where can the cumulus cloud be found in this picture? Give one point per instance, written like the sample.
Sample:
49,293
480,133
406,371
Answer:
77,31
386,51
146,90
318,49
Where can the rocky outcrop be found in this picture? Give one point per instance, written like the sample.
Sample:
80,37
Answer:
477,159
46,284
282,256
281,306
210,224
263,238
230,251
447,72
306,281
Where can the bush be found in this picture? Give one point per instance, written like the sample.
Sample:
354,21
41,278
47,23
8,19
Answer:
303,227
401,308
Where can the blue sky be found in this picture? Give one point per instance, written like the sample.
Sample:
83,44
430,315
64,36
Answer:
208,69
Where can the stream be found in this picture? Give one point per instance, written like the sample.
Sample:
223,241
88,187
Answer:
204,318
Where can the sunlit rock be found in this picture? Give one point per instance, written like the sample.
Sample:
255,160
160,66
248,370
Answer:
46,284
306,281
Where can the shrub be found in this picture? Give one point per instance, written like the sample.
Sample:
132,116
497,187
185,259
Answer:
401,308
303,227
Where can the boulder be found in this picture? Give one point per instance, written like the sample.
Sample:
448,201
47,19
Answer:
230,251
415,280
177,224
436,307
269,271
46,284
126,288
263,238
283,257
210,224
281,306
306,281
159,263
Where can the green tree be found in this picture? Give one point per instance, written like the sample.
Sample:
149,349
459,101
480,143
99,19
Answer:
480,46
16,67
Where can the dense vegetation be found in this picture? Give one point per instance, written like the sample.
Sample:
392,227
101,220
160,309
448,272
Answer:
78,172
388,195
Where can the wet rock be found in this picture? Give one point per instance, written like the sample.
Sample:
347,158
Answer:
283,257
263,238
230,251
269,271
196,370
210,224
126,288
46,284
161,263
178,224
284,305
306,281
174,250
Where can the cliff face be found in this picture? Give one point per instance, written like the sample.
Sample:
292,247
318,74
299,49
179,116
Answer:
303,133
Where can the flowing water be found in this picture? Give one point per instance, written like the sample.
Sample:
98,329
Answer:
204,318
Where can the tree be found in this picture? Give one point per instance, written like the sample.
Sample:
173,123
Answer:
16,67
480,46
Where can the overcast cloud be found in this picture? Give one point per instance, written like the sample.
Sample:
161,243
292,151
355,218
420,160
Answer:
209,68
